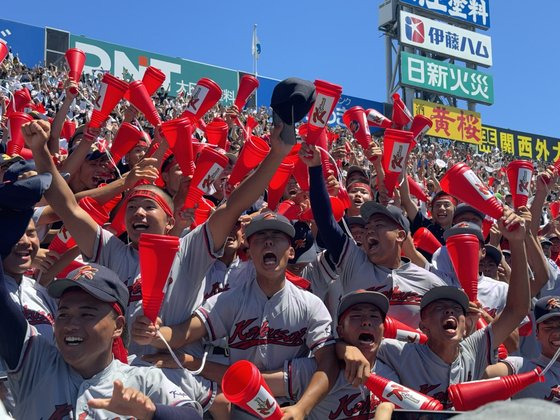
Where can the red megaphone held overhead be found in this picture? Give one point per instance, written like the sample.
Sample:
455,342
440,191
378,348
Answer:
425,240
127,137
328,95
4,50
111,91
377,119
209,166
278,184
401,115
16,142
76,59
520,173
356,120
153,79
396,147
253,152
204,96
142,101
178,134
217,133
420,126
463,250
416,190
247,86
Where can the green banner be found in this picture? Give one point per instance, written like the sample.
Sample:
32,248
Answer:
129,64
449,79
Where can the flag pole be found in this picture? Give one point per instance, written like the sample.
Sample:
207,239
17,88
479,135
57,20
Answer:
255,59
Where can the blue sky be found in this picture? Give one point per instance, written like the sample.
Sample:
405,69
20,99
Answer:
311,39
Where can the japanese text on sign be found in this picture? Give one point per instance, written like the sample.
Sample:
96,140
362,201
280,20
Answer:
451,123
439,76
476,12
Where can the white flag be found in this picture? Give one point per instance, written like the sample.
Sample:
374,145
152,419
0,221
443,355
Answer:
256,45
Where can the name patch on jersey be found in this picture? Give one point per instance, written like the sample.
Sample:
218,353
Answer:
354,406
246,336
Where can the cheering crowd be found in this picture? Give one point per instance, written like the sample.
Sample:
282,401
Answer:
333,282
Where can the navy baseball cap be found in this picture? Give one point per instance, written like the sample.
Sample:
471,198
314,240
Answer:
379,300
465,208
302,242
547,307
96,280
494,253
356,221
23,194
270,221
447,293
394,213
464,228
292,99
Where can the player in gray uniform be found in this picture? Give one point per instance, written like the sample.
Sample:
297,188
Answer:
150,210
266,320
79,377
377,264
448,357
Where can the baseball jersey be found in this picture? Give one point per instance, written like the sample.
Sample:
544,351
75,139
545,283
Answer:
217,277
417,367
552,287
492,294
45,386
185,285
267,331
404,286
442,264
343,401
549,389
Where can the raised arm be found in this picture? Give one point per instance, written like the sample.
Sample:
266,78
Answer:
545,182
60,117
406,201
80,224
518,297
224,218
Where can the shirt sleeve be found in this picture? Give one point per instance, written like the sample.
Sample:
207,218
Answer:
320,274
217,314
162,391
479,347
381,369
319,330
297,375
108,250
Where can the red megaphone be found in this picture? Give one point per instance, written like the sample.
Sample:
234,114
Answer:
289,209
463,250
396,147
76,59
142,101
217,133
204,96
156,253
68,129
377,119
420,126
247,86
16,142
127,137
244,386
401,115
178,134
301,174
278,184
3,50
554,209
209,166
356,120
400,395
250,125
153,78
416,190
461,182
468,396
202,212
111,91
520,173
425,240
402,332
337,210
486,226
22,100
253,152
328,95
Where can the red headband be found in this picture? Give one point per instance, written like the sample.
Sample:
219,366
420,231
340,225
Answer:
360,185
119,350
152,196
445,197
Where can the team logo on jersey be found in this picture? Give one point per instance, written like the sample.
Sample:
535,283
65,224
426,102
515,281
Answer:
246,336
135,291
441,396
414,29
400,297
300,243
216,288
351,405
37,317
61,411
86,271
554,394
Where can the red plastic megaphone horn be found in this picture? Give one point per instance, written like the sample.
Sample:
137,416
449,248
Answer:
156,253
247,86
16,142
420,126
278,184
4,50
416,190
400,395
178,134
554,209
401,115
463,250
153,78
209,166
127,137
217,133
253,152
289,209
356,120
141,100
111,91
520,173
396,147
461,182
377,119
468,396
337,207
22,100
425,240
76,59
402,332
68,129
244,386
328,95
204,96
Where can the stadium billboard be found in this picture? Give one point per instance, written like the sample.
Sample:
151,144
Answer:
26,42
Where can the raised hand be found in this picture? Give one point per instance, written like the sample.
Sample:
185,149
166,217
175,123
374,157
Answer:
310,155
145,169
36,134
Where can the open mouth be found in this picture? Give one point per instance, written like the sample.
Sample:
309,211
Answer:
372,242
366,338
450,325
555,343
269,259
140,226
73,341
22,254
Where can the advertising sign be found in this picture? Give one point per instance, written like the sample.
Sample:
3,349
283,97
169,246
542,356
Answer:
449,79
129,64
26,42
474,12
445,39
520,144
450,123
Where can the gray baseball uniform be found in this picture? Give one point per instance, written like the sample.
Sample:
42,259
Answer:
404,286
549,389
267,331
44,386
344,401
419,368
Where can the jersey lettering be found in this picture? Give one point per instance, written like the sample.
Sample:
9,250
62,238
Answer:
245,336
37,317
61,411
216,288
135,291
441,396
349,407
400,297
